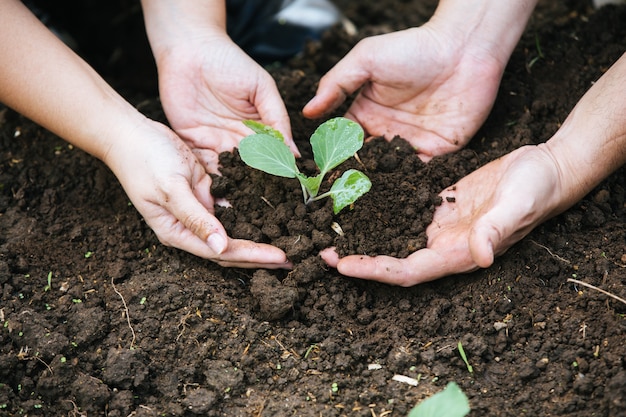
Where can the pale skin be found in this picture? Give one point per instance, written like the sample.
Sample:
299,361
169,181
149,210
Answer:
433,85
500,203
207,84
47,82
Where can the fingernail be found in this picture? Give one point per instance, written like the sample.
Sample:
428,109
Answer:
216,242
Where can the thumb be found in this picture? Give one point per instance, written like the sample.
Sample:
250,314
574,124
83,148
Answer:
342,80
497,230
330,256
482,239
195,217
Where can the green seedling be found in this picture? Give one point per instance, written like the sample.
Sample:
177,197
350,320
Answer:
470,369
49,286
451,402
333,142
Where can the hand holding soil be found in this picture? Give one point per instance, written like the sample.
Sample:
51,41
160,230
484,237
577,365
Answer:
480,217
494,207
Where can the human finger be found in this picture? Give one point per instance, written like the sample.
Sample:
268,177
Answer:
387,269
273,112
194,228
347,76
247,254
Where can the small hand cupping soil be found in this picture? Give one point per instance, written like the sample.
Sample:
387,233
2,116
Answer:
99,319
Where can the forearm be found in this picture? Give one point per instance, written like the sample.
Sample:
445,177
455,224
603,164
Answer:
491,26
45,81
591,143
172,22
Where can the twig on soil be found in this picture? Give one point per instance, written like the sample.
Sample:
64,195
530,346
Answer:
75,411
441,349
182,325
260,410
23,355
130,326
285,350
358,159
584,284
383,414
550,252
266,201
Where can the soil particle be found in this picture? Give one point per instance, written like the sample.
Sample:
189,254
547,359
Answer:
274,298
199,401
125,368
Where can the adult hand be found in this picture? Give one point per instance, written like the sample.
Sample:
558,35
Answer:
500,203
208,86
171,189
494,207
420,83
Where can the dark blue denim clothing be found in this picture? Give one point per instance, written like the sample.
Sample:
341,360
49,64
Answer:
258,28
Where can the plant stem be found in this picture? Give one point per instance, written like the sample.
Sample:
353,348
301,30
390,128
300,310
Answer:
319,197
305,194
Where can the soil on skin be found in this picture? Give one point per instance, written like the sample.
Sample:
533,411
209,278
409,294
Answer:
99,319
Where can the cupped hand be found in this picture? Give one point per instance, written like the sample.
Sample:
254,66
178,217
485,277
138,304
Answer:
481,217
420,83
208,86
171,189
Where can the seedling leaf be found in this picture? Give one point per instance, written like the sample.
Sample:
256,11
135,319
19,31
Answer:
264,129
470,369
348,188
312,184
334,141
451,402
269,154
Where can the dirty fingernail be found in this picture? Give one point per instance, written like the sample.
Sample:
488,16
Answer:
216,242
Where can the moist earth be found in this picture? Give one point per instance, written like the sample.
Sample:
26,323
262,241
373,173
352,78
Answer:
99,319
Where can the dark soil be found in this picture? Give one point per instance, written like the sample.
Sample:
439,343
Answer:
130,327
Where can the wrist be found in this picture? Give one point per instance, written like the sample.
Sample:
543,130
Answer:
582,151
566,190
487,28
591,143
171,25
129,139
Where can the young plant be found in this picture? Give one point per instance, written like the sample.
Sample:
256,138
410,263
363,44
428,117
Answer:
333,142
451,402
470,369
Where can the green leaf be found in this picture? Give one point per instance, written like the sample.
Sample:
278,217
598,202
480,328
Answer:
348,188
269,154
312,184
451,402
464,357
263,129
334,141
